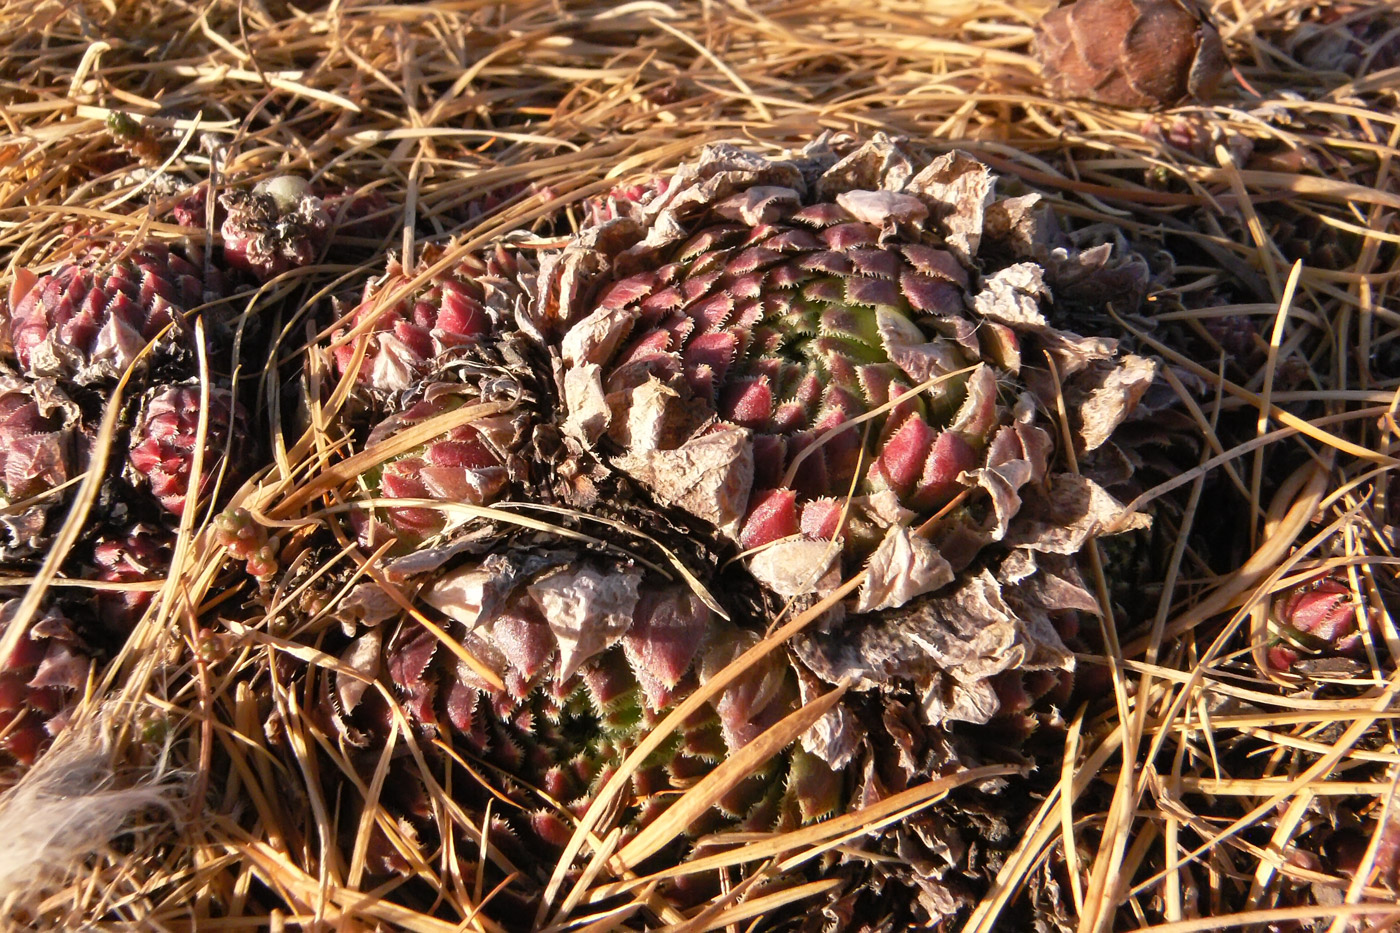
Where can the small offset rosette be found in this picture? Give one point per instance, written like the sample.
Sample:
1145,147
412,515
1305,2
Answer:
43,447
401,333
465,465
166,437
89,321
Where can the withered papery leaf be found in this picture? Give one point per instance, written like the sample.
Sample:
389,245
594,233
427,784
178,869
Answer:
61,667
978,410
947,645
1015,223
1001,483
761,204
938,902
884,209
709,476
1098,275
459,594
1069,511
1047,581
587,610
903,566
1114,390
368,604
574,271
1017,455
796,567
394,365
883,508
53,625
42,444
723,170
875,166
428,558
958,189
485,653
650,421
910,350
1022,439
589,415
595,338
835,738
362,657
1012,295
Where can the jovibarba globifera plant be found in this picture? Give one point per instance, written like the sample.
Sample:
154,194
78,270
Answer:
793,369
116,315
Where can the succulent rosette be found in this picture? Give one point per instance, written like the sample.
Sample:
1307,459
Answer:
465,465
275,226
831,364
574,659
165,437
810,356
40,682
402,332
89,321
1317,624
42,446
139,554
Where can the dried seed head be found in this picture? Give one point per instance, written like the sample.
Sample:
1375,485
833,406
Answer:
163,440
1130,53
89,321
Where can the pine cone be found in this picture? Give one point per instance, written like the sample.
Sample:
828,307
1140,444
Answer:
1145,54
163,441
89,321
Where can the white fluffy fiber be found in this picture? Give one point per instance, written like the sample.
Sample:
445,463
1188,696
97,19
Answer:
67,808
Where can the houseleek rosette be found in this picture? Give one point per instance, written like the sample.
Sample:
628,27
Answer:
830,364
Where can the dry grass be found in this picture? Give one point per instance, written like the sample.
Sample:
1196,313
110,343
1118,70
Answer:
1208,792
